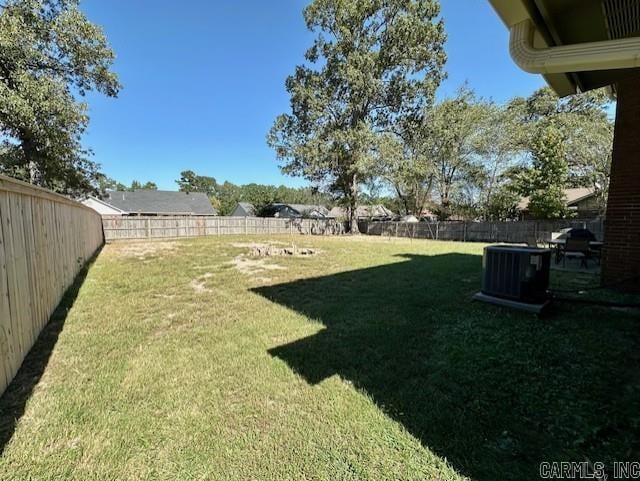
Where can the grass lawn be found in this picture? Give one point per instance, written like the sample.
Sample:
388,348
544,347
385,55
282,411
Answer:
181,360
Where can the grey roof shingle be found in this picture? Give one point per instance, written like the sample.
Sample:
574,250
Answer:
244,209
363,211
305,209
572,196
160,202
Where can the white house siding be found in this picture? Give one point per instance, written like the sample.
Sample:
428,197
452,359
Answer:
100,207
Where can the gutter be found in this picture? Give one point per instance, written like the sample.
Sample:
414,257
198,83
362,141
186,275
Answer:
583,57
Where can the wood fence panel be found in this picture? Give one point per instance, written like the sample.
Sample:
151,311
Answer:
45,239
155,227
509,232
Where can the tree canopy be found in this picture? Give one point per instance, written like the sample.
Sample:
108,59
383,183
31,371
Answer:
50,56
373,65
472,158
225,196
191,182
105,183
569,142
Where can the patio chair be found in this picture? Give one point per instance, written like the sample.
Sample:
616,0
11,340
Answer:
576,249
596,253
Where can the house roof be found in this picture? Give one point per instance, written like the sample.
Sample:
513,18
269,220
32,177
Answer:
364,211
247,207
304,209
573,196
159,202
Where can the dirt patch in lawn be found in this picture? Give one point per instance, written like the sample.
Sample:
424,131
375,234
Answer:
273,251
251,245
252,266
141,250
199,284
275,248
171,325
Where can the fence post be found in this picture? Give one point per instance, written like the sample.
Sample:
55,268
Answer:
148,228
218,225
464,232
245,225
437,229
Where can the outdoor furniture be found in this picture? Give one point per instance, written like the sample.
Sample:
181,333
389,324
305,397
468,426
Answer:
595,251
558,245
576,249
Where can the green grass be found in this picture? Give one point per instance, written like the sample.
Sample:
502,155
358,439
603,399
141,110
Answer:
367,361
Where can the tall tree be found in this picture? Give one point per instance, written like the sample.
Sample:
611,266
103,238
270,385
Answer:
500,153
104,183
453,137
549,173
224,197
136,185
407,170
191,182
582,123
50,54
373,64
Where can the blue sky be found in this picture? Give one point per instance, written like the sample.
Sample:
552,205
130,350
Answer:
203,81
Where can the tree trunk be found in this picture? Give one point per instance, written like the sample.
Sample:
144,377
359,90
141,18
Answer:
32,157
353,206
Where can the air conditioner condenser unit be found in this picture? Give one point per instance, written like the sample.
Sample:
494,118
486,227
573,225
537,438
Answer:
515,276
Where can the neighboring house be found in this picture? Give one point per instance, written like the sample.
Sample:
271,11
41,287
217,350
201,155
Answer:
151,202
297,211
582,200
428,215
364,212
244,209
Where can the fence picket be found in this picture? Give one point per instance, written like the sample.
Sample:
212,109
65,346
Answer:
515,232
137,227
45,240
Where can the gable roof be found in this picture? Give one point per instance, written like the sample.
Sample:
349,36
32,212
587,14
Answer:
305,209
573,196
101,206
159,202
244,208
378,210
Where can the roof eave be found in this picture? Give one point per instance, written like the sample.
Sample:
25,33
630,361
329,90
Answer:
512,12
106,204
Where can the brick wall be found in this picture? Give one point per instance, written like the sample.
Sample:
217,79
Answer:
621,257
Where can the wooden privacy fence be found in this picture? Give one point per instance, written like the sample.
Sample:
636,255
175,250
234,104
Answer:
515,232
155,227
45,239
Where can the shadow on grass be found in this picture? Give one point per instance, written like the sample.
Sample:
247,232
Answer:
17,394
493,391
